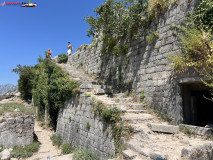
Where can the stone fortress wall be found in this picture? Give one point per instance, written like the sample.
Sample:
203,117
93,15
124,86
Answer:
146,66
78,126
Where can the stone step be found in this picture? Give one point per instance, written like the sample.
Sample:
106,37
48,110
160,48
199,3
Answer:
137,118
133,145
132,155
136,106
129,154
123,100
136,111
86,86
118,95
163,128
144,151
140,127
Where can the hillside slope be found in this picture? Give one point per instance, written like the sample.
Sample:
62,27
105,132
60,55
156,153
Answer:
7,88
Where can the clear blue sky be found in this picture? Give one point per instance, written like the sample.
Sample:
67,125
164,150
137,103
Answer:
25,33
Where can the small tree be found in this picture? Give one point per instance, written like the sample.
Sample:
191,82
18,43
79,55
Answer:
25,82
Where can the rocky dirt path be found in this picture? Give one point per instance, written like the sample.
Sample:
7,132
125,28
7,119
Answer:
46,147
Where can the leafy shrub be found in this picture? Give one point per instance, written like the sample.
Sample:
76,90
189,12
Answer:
195,38
196,43
60,87
84,154
111,115
26,151
67,149
62,58
52,87
56,140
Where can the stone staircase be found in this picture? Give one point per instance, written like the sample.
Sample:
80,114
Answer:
77,74
153,139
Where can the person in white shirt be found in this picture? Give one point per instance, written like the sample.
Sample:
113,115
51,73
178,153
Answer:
69,47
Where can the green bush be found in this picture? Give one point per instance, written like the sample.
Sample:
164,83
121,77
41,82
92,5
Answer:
111,115
62,58
84,154
51,88
56,140
67,149
26,151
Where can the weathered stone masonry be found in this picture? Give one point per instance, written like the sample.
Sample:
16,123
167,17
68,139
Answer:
146,66
78,126
16,131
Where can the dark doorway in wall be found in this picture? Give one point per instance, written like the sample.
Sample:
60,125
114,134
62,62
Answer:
197,108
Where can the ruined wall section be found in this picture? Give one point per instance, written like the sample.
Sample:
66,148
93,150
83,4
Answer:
78,126
146,67
16,131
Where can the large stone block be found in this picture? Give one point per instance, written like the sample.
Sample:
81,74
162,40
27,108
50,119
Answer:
198,130
163,128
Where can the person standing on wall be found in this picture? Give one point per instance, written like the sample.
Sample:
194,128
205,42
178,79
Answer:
69,47
50,53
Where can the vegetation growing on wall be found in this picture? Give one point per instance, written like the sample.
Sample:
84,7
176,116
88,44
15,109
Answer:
196,41
120,20
49,86
112,116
